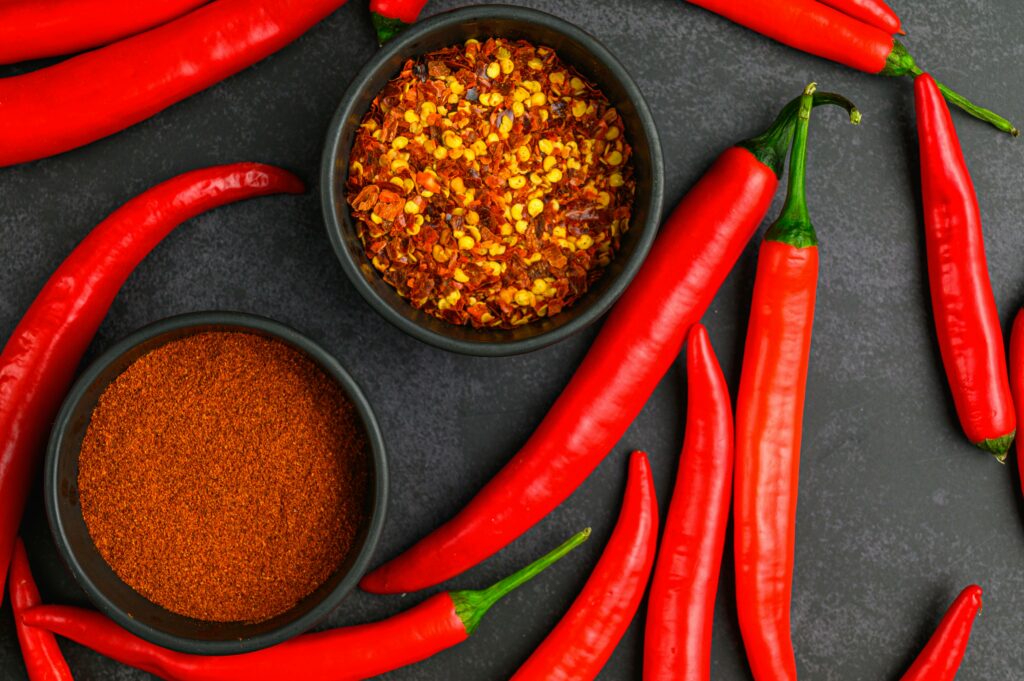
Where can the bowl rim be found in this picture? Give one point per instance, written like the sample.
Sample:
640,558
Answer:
331,366
335,224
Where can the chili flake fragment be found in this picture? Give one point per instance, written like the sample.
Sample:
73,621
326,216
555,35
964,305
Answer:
491,183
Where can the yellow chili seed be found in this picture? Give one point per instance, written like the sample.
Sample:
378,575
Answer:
441,153
411,207
472,217
535,64
507,66
443,304
612,134
523,153
549,162
503,53
576,84
475,232
539,286
413,229
524,298
538,99
518,109
616,180
496,249
535,178
428,108
517,211
479,147
614,158
466,242
603,199
558,77
558,232
453,297
376,219
398,164
517,182
534,257
535,207
505,229
531,85
468,155
506,125
411,116
455,153
493,70
439,253
521,226
521,94
397,181
458,185
451,139
554,175
460,276
492,138
408,185
456,87
378,264
400,142
494,267
584,241
545,146
579,107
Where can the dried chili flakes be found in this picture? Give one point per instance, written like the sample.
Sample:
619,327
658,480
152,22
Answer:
491,183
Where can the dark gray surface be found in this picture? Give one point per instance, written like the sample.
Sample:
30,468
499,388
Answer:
897,512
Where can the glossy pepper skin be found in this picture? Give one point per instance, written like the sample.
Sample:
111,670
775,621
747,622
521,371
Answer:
30,29
874,12
816,28
117,86
343,654
966,319
391,17
39,649
696,248
769,419
681,605
41,356
941,657
1017,379
583,640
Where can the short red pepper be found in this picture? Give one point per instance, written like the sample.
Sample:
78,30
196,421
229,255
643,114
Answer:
43,658
940,660
391,17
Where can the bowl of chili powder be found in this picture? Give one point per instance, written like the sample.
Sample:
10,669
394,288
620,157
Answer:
492,180
216,482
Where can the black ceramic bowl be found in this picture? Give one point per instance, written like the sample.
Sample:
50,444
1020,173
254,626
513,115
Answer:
577,49
118,600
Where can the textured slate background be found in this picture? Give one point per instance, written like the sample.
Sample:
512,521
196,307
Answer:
897,512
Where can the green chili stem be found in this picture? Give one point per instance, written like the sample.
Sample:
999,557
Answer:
770,147
901,63
794,224
471,606
385,27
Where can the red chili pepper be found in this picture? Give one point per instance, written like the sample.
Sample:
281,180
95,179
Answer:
391,17
695,250
30,29
39,649
114,87
680,608
940,659
343,654
41,356
1017,379
966,319
873,12
583,640
769,417
813,27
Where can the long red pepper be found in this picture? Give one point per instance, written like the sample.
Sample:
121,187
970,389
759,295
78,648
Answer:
344,654
114,87
680,608
695,250
818,29
583,640
874,12
391,17
769,417
41,356
30,29
1017,380
39,648
966,319
941,657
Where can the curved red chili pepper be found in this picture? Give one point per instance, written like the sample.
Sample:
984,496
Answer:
769,419
966,319
30,29
816,28
114,87
941,658
1017,380
583,640
39,648
873,12
695,249
41,356
680,608
343,654
391,17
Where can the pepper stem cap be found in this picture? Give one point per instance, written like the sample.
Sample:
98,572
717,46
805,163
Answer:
794,224
998,446
471,606
386,27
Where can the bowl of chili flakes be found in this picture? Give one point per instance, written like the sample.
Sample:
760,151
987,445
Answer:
492,180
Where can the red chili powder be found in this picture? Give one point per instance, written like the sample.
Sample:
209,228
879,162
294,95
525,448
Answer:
223,476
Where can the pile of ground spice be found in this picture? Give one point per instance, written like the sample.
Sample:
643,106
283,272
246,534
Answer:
223,476
491,183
